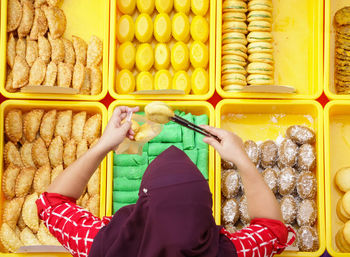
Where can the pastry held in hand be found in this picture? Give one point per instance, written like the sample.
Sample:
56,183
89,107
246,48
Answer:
158,112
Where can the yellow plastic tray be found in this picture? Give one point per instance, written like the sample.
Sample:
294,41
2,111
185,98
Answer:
113,62
49,105
196,108
260,120
84,19
298,42
337,150
331,6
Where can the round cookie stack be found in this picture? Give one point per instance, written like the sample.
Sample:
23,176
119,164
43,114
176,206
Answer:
260,67
234,44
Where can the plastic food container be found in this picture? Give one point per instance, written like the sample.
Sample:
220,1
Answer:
84,19
260,120
196,108
114,68
297,31
90,107
337,150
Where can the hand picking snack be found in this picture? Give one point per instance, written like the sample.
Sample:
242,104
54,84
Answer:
38,54
38,144
294,185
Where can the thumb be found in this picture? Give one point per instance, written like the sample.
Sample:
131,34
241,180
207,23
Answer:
125,127
213,142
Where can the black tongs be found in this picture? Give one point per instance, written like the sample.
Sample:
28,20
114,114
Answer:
194,127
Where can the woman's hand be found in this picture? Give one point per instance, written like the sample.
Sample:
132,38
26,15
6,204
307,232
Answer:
116,131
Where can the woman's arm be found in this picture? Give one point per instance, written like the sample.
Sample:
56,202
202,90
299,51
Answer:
75,177
261,200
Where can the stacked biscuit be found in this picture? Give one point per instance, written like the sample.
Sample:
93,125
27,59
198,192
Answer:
342,53
234,41
260,68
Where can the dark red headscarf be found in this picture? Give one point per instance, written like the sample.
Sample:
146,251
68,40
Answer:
172,218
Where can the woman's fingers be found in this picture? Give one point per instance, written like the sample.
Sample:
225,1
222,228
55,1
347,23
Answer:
213,142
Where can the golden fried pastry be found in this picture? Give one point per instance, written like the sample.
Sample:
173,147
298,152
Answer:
306,185
306,157
39,153
9,239
93,186
47,126
85,200
27,19
64,74
44,49
92,128
341,17
39,3
9,180
40,26
80,48
86,86
82,147
18,231
69,54
287,181
94,52
56,20
307,213
288,209
158,112
31,123
78,75
13,125
9,82
11,50
30,212
95,80
52,2
20,223
42,179
230,184
26,155
28,238
269,154
37,72
301,135
20,72
45,237
56,171
57,50
342,179
32,51
252,150
230,211
12,211
271,179
243,210
64,125
51,74
14,15
227,165
21,46
287,152
70,150
24,181
12,155
93,205
78,124
56,151
307,239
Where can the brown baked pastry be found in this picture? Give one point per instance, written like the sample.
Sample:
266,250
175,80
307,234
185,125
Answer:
271,179
306,157
230,228
301,134
307,185
341,17
252,150
230,212
286,181
288,209
307,239
269,154
287,153
243,210
227,165
230,184
307,213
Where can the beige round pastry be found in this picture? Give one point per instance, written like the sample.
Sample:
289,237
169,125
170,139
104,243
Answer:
342,179
230,184
235,49
234,26
243,210
230,228
346,203
260,5
307,213
234,6
230,212
259,26
340,241
259,16
259,36
260,47
306,185
306,157
233,58
261,57
271,179
287,181
233,68
342,215
288,209
227,165
259,79
287,152
307,239
234,37
233,88
234,16
260,68
233,78
158,112
252,151
268,154
346,232
300,134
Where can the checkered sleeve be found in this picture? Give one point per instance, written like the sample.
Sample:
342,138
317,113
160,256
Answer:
73,226
263,237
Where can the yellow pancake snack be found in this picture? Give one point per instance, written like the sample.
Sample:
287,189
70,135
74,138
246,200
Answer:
145,6
144,81
182,6
180,56
143,28
125,82
182,81
126,55
162,80
199,7
164,6
162,28
126,6
181,27
144,57
161,56
200,81
199,54
125,29
199,29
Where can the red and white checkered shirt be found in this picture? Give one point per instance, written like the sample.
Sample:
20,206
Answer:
75,228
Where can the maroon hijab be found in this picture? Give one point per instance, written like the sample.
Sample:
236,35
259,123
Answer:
172,218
